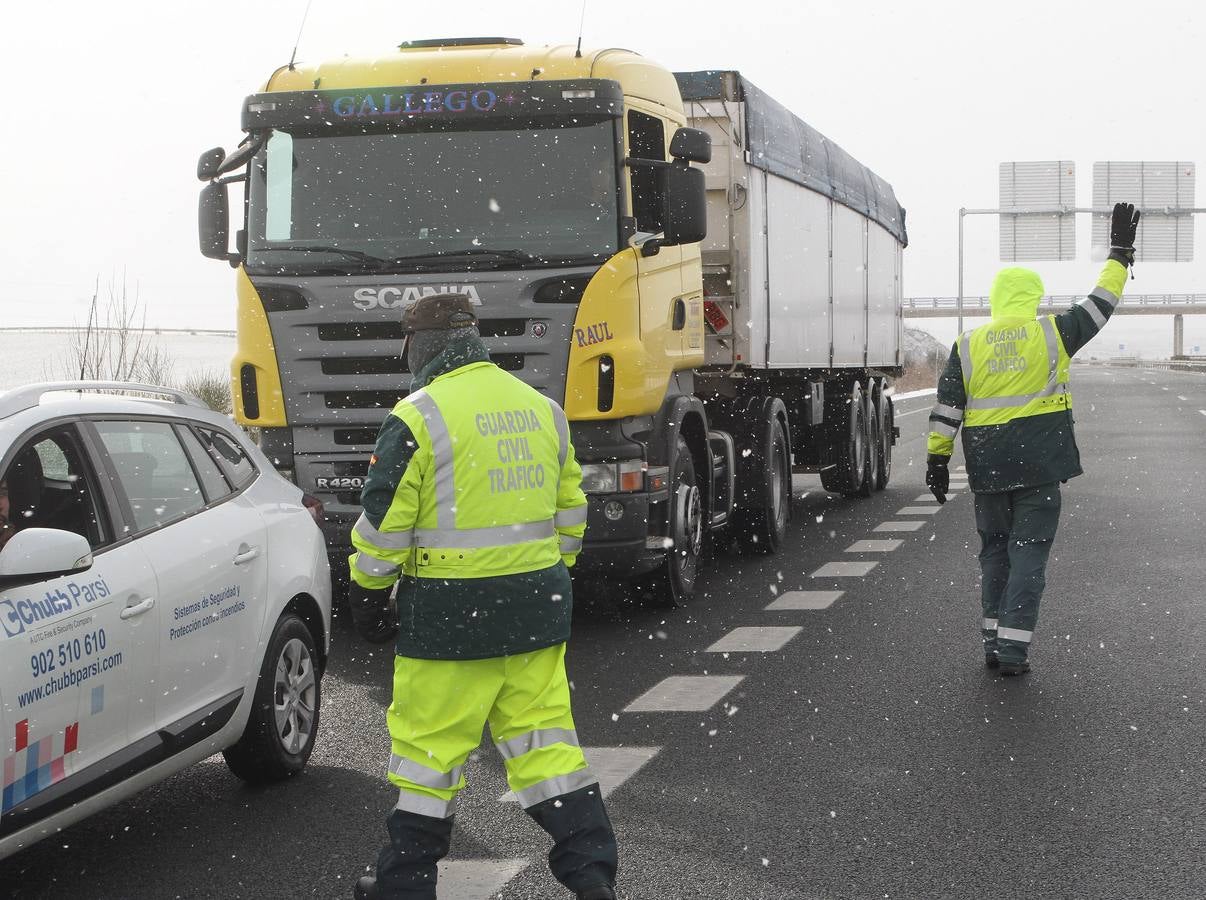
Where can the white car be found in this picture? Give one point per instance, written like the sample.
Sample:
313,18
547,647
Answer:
164,595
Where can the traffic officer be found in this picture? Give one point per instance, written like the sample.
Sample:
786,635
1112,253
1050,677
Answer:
473,507
1006,384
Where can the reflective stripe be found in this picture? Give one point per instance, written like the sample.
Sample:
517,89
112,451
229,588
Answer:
370,565
1090,307
1105,295
563,435
388,540
536,740
568,518
555,787
1015,634
424,805
988,625
1053,386
965,358
943,429
570,544
947,412
418,773
481,538
441,451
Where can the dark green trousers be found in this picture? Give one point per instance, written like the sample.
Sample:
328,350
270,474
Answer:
1016,529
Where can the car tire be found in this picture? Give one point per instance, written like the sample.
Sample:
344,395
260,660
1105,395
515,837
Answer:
283,724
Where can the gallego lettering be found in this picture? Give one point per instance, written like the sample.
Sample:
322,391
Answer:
395,297
413,103
17,615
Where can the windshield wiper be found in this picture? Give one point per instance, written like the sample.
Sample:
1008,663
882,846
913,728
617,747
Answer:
485,254
358,255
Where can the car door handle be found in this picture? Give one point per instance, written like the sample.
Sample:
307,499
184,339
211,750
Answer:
137,609
246,554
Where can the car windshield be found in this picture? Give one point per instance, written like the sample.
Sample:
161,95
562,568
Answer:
543,194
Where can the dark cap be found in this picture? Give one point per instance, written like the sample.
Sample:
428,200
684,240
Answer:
438,312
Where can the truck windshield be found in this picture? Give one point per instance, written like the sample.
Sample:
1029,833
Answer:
437,199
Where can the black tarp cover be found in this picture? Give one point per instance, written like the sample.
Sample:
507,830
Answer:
780,142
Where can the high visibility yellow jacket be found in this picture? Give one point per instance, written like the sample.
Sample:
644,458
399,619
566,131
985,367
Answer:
474,502
1007,384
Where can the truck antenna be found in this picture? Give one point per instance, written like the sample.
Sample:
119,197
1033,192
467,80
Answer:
581,22
300,29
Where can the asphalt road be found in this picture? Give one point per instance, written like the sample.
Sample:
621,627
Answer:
870,756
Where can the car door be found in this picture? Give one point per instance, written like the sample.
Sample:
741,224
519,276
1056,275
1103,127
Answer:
77,651
206,546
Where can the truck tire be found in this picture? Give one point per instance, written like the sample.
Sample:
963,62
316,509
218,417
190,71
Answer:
283,724
871,442
847,414
672,583
761,530
887,427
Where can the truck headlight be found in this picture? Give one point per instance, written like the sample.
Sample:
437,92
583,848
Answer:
613,477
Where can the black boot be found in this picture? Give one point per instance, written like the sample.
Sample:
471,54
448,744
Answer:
406,866
584,855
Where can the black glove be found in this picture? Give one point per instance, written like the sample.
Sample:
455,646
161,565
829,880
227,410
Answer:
373,613
938,476
1124,223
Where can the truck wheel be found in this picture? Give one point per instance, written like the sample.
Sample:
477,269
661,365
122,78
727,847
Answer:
283,723
848,418
763,529
871,442
887,425
673,582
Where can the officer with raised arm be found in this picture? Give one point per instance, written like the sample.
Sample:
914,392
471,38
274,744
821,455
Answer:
1006,385
473,507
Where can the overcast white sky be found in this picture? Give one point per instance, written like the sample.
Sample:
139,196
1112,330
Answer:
110,104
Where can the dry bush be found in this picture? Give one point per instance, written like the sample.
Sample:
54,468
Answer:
212,388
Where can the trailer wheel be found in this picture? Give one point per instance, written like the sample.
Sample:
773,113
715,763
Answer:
887,425
762,529
673,582
871,441
848,415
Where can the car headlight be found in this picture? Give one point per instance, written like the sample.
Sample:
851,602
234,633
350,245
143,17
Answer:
613,477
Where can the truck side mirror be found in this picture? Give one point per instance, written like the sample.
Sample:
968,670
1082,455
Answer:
210,164
685,218
213,223
691,145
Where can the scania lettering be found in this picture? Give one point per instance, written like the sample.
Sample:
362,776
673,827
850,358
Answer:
709,287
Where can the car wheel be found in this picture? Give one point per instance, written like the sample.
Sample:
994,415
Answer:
280,732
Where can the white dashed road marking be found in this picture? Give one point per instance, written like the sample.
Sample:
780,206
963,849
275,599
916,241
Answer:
685,693
911,525
755,639
925,498
476,879
806,599
911,412
844,569
1182,399
1202,411
872,546
918,510
611,765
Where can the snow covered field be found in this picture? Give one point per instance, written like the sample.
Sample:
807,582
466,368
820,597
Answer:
28,356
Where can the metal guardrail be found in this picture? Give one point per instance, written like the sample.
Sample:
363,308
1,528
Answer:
1133,305
1192,364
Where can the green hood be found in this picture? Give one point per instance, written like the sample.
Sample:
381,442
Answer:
1016,294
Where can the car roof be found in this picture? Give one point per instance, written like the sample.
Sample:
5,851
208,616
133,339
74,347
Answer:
26,406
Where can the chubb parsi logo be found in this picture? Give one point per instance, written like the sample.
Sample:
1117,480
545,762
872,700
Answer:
397,296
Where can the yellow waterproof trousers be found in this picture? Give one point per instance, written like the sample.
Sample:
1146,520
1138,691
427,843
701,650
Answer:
440,707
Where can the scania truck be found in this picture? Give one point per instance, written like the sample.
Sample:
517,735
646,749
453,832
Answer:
709,286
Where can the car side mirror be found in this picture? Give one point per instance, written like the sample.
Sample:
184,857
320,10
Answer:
39,554
685,218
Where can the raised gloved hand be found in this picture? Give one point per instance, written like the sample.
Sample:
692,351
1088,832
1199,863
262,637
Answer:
938,476
373,613
1124,223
